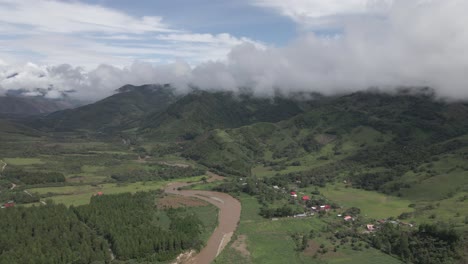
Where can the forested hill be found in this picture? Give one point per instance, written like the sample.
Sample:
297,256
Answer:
199,111
397,132
121,111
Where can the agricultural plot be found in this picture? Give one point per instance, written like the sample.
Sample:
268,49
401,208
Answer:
372,204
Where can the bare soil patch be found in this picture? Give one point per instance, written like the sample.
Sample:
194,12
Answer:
325,138
185,258
180,165
173,201
241,245
313,248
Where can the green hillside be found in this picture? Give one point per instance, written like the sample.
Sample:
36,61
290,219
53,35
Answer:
200,111
392,143
115,113
400,159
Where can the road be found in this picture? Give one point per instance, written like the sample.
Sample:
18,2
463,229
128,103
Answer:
228,218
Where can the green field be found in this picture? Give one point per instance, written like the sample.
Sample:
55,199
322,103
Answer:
24,161
81,194
271,242
372,204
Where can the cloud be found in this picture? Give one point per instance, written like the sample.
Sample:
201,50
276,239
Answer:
419,43
75,17
66,80
325,14
413,43
57,32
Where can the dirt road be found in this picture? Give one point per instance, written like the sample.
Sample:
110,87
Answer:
228,218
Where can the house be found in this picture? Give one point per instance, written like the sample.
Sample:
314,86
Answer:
100,193
348,218
275,187
314,208
294,194
305,198
9,204
300,215
370,227
325,207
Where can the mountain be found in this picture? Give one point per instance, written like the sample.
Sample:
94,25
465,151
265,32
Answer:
32,105
199,111
155,111
121,111
394,133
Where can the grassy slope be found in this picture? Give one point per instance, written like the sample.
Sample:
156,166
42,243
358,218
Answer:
270,241
117,112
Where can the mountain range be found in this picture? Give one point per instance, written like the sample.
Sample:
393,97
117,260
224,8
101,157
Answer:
234,133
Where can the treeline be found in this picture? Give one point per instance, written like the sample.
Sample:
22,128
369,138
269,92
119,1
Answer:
397,158
158,173
26,177
127,221
48,234
429,244
126,225
19,197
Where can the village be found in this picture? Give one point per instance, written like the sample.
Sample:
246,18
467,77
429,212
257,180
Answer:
350,215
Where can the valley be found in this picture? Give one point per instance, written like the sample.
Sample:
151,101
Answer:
394,162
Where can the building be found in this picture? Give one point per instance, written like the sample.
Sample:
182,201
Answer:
294,194
305,198
9,204
370,227
348,218
325,207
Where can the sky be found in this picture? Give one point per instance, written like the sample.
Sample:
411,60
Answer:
87,49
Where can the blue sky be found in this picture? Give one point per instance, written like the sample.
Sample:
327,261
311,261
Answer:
117,32
238,18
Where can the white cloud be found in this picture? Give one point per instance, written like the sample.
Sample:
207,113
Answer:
324,13
74,17
57,32
417,43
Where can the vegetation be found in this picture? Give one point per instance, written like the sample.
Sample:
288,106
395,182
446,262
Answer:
128,226
48,234
395,159
127,222
430,243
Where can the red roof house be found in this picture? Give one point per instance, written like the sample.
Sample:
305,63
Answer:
100,194
293,194
348,217
9,204
305,198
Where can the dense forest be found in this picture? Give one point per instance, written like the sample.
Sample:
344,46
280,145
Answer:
128,222
124,226
157,172
48,234
429,244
